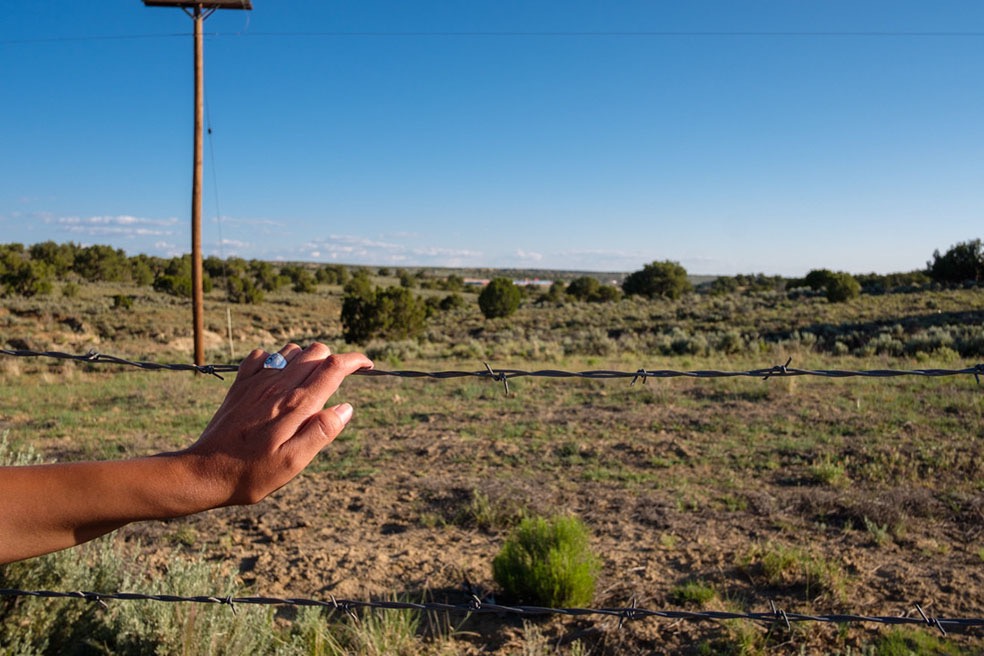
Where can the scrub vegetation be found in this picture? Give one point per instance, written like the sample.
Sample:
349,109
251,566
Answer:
819,495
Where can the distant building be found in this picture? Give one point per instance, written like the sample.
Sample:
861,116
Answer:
526,282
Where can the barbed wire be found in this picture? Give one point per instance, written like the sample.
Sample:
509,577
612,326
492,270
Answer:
478,606
504,375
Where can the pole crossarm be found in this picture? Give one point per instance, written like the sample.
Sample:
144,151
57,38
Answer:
209,4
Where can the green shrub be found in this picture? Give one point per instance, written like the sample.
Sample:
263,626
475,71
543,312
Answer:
100,262
696,593
122,301
331,274
392,313
838,286
141,273
175,279
406,280
303,280
451,302
243,290
453,283
548,562
818,279
500,298
584,288
59,256
29,278
659,279
963,262
590,289
265,276
400,314
555,294
174,285
842,287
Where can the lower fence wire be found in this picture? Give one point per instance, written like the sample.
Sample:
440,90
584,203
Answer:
477,606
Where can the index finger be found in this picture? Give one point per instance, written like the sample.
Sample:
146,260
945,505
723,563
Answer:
325,378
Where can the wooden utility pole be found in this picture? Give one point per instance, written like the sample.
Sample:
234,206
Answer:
198,12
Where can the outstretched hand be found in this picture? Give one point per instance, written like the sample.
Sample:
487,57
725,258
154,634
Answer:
272,423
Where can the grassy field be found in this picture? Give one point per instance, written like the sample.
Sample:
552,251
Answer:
821,495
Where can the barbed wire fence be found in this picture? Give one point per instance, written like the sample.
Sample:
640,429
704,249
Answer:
775,616
476,606
505,375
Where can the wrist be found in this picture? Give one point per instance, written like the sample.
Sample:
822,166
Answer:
192,484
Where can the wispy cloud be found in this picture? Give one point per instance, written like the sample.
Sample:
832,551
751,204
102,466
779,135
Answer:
529,256
236,243
357,249
116,226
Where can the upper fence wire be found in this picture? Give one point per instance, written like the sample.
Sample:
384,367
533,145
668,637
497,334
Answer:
504,375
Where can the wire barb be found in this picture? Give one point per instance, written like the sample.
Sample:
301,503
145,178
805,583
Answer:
778,370
934,622
93,597
498,377
209,369
780,614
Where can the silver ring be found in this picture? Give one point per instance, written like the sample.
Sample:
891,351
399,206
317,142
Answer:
275,361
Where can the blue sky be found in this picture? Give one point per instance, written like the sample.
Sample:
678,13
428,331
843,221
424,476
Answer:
731,136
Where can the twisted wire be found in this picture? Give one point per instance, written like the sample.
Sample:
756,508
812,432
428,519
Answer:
478,606
504,375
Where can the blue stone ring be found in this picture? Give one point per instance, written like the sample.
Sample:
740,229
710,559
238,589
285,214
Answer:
275,361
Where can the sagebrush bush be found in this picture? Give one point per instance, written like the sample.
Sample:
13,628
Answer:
499,298
548,562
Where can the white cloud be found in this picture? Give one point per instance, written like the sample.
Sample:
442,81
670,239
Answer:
529,255
117,226
357,249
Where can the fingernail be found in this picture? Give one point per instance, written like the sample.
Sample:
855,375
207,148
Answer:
344,412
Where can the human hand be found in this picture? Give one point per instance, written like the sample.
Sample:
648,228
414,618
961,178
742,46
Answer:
272,423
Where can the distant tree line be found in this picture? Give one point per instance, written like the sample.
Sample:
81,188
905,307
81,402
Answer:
388,312
32,271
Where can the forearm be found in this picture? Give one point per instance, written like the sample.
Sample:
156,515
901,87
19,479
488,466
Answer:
49,507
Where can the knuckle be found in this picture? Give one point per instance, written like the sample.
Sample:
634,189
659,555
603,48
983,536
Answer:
318,349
